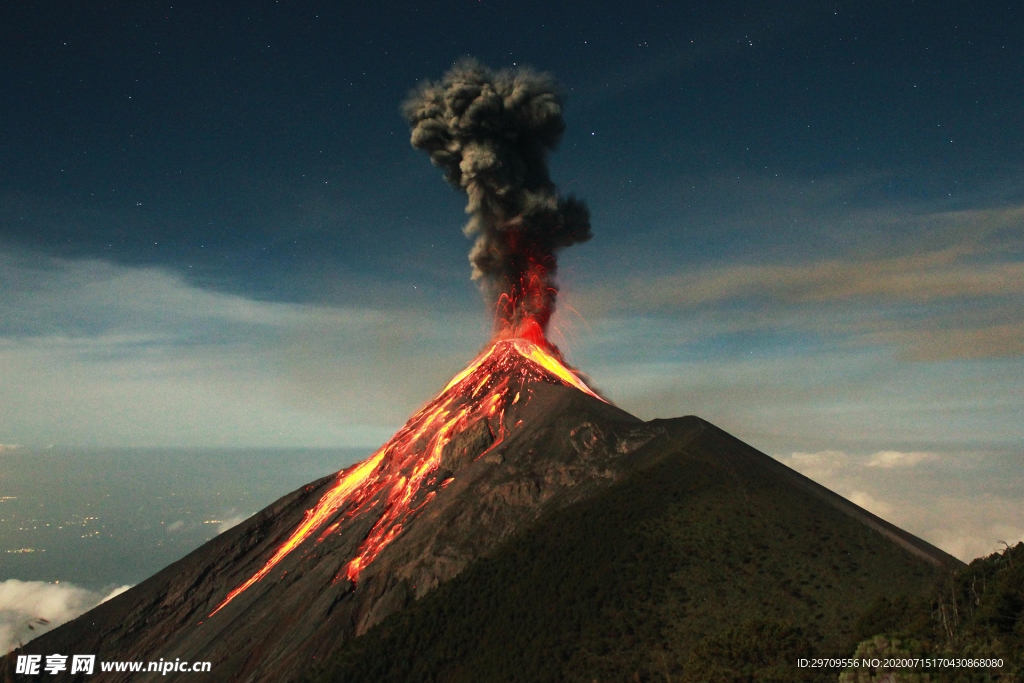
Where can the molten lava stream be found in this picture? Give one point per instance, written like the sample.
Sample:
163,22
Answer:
393,476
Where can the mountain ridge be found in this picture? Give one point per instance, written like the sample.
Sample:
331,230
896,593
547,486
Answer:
537,447
629,583
553,454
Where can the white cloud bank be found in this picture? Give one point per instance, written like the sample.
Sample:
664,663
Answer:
870,503
911,490
24,603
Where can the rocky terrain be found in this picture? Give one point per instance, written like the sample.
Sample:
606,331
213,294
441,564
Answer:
566,446
505,447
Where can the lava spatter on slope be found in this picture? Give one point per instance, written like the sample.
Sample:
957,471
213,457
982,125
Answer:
402,477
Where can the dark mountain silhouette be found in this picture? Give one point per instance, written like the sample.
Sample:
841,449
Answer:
707,553
568,538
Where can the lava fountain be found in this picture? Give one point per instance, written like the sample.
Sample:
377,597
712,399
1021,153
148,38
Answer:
491,133
401,478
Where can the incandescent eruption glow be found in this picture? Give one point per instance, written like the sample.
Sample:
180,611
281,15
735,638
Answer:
491,132
399,480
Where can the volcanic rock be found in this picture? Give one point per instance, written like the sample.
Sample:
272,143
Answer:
509,443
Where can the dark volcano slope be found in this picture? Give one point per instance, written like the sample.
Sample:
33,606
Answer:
563,445
708,554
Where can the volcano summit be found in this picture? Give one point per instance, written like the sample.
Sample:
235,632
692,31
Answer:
515,434
513,447
522,478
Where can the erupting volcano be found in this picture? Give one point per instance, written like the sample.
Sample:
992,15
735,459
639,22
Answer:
515,434
490,132
513,443
473,466
406,473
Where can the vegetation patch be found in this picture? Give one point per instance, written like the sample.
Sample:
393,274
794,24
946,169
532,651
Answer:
684,571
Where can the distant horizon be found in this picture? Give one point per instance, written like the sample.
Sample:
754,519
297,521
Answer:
857,476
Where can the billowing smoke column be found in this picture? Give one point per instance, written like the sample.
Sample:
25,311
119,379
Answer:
491,133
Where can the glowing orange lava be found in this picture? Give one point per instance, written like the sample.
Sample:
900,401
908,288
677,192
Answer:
396,480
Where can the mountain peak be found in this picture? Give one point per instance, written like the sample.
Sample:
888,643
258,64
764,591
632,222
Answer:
407,472
514,439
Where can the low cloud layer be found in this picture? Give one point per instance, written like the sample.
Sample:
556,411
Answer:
25,604
892,459
914,491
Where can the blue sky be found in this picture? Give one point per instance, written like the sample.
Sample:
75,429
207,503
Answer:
808,229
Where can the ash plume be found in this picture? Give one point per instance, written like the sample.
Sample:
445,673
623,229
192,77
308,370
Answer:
491,133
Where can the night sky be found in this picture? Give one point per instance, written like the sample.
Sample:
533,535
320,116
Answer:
808,226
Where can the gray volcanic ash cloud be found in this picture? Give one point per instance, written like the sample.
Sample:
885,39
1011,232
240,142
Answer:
491,133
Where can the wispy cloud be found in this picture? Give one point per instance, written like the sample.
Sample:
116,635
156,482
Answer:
914,278
50,297
822,466
94,353
891,459
938,341
918,277
950,294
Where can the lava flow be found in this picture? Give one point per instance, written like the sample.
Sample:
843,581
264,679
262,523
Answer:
406,473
